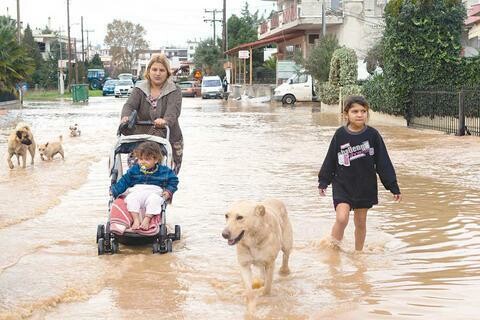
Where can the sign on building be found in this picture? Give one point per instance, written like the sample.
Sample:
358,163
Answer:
243,54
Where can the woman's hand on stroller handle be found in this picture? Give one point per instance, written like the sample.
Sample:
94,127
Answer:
159,123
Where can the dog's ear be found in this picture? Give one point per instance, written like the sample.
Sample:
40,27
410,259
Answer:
19,134
260,210
46,144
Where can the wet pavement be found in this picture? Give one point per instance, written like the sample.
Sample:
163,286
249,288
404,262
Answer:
421,260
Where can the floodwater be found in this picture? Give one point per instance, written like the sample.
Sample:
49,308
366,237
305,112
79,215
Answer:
421,260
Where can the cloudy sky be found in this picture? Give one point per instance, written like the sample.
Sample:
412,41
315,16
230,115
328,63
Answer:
167,22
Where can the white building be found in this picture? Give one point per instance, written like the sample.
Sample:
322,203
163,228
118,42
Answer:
297,24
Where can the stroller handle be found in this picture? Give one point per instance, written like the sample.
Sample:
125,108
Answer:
132,121
150,123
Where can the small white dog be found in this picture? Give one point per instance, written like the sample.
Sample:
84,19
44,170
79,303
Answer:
50,149
74,131
260,230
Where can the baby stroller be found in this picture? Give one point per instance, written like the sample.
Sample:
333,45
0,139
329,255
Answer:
116,230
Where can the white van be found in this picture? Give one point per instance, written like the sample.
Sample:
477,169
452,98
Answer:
212,87
299,87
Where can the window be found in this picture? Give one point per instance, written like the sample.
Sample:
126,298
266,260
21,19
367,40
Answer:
312,38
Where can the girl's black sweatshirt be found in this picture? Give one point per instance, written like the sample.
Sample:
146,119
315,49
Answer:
351,164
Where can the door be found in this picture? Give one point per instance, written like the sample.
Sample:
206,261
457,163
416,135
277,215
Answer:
302,87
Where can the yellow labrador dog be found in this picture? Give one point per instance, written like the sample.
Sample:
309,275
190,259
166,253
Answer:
260,230
19,142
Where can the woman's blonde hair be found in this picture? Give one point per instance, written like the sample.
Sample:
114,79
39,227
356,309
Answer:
160,58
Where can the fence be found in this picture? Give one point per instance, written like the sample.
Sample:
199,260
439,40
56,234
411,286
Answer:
451,110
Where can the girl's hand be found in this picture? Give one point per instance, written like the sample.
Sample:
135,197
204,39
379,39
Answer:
159,123
397,197
124,119
322,192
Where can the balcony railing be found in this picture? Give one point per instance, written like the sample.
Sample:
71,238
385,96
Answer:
294,12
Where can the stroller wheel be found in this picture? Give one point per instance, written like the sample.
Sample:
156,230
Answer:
101,246
114,245
169,245
178,232
156,247
100,231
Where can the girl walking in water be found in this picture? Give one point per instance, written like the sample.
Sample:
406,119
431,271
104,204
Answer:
356,154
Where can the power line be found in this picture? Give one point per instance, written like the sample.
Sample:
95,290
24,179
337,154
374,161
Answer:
213,20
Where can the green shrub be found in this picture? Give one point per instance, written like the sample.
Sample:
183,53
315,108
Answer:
329,94
421,48
343,73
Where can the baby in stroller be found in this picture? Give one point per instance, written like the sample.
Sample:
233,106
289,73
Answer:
147,185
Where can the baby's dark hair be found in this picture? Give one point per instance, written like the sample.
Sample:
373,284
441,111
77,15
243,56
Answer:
351,100
149,149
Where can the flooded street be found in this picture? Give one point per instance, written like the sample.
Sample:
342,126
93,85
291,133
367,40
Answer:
421,260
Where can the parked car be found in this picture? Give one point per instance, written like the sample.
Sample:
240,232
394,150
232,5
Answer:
109,87
123,88
299,87
190,88
127,76
212,87
96,78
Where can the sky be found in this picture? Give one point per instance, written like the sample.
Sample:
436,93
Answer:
167,22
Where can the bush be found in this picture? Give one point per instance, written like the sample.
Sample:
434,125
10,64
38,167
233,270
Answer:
329,94
374,91
421,48
343,73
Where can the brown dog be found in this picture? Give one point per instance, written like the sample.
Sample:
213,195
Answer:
50,149
19,141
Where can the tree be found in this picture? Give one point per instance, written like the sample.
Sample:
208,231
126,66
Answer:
125,39
208,57
96,62
243,29
422,44
318,62
33,52
374,57
15,64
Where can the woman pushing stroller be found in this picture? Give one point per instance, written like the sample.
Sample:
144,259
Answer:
159,100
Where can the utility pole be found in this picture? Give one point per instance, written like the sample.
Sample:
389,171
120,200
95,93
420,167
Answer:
83,48
224,26
324,23
18,21
214,11
88,43
61,80
69,47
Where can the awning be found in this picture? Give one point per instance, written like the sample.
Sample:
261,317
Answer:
263,42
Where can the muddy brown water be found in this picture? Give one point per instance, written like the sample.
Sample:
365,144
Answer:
421,260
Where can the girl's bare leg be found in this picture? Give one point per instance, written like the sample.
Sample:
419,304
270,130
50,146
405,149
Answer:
360,220
341,220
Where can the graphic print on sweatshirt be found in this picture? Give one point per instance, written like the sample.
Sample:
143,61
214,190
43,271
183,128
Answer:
348,153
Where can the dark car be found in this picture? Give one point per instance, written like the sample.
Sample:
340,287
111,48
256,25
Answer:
190,88
109,87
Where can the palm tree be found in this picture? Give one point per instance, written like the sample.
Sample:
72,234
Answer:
15,65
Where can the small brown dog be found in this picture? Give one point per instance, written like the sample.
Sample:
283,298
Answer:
74,131
19,141
50,149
